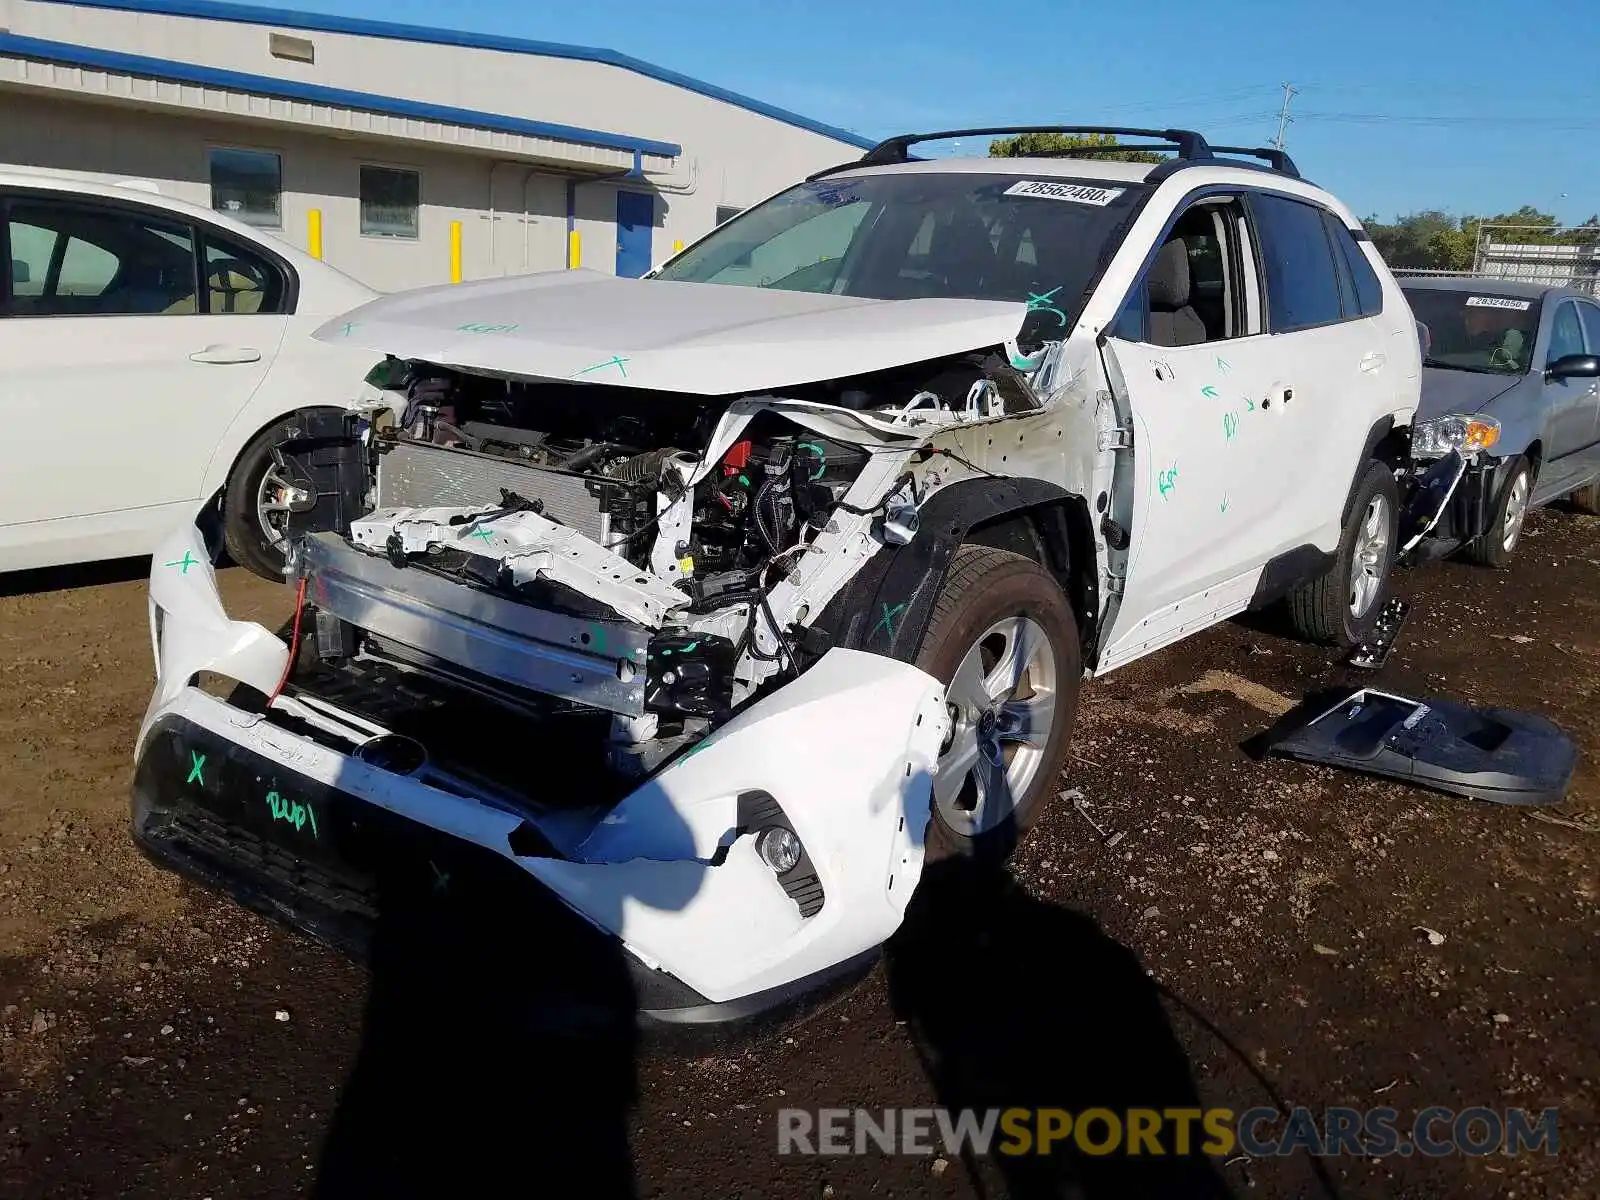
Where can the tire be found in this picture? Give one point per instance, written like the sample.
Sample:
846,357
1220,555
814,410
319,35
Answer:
248,542
1494,547
994,600
1329,609
1587,498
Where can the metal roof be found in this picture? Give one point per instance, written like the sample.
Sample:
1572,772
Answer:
214,10
93,57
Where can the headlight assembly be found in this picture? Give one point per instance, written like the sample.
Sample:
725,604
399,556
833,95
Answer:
1455,431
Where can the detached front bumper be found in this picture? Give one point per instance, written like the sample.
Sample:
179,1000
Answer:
1451,502
280,811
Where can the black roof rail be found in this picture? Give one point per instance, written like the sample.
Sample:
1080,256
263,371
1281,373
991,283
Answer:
1278,160
1188,145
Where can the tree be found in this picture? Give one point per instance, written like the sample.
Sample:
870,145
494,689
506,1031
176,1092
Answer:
1431,240
1024,144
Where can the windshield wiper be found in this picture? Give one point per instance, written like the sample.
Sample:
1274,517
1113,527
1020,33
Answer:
1450,366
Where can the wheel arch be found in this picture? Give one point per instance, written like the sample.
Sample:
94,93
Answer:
223,465
886,607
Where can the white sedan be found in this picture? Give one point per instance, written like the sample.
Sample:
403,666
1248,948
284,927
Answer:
152,353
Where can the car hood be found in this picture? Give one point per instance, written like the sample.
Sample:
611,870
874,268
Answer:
1446,391
703,339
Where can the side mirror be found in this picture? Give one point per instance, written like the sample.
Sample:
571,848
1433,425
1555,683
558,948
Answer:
20,272
1574,366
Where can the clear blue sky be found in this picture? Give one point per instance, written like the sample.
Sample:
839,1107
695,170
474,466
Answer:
1403,104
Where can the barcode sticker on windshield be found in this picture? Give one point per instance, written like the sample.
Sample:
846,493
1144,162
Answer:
1498,302
1076,192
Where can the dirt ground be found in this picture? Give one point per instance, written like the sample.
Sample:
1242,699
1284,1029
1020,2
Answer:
1259,935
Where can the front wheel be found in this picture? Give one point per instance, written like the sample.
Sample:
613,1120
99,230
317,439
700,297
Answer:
1004,642
255,504
1493,547
1341,607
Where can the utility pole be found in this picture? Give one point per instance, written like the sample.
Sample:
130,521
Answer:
1289,93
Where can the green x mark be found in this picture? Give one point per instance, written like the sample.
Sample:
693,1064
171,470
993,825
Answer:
886,622
188,560
1037,303
197,762
616,360
482,534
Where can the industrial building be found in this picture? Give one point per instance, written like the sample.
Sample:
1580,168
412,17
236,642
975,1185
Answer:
403,155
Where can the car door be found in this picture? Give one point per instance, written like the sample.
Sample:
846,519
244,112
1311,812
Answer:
1332,349
1569,404
1191,362
1589,317
131,337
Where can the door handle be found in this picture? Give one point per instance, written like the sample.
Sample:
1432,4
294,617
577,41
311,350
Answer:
1373,361
226,354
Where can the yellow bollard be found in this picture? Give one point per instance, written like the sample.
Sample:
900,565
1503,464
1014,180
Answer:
574,250
314,232
455,251
677,246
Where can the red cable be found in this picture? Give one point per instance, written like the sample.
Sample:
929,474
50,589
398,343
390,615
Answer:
294,641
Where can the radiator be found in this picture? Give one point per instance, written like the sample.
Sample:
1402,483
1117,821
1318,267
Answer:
419,475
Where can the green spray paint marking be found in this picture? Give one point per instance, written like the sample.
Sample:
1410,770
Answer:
1223,507
822,457
1249,406
471,327
1167,480
1209,392
697,747
441,879
1020,362
1230,425
1042,304
348,326
616,360
886,622
482,534
599,632
688,648
292,812
1223,365
197,763
183,564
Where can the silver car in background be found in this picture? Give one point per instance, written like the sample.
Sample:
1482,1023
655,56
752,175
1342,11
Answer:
1511,384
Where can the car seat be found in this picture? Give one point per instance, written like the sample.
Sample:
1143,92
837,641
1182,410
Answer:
1173,320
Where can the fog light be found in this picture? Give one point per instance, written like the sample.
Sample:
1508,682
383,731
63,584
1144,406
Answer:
779,849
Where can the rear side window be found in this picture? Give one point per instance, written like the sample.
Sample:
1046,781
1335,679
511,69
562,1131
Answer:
1302,281
73,259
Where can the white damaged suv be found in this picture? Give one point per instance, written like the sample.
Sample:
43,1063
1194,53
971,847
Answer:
719,601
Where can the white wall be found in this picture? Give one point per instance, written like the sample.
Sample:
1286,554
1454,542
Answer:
113,142
731,156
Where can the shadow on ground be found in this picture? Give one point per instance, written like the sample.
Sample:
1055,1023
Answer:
497,1049
1015,1002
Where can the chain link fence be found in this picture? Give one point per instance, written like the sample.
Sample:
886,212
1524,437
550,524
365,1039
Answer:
1554,256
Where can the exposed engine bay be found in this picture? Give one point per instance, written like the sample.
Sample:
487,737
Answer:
654,559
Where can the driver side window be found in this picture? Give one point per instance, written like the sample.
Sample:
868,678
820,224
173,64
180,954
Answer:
1566,333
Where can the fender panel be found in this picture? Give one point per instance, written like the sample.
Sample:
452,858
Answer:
886,607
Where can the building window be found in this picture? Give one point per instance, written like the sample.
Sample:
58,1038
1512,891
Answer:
247,185
389,201
725,213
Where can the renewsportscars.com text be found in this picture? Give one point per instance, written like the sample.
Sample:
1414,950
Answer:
1261,1132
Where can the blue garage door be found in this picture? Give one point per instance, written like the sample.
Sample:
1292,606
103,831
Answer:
636,217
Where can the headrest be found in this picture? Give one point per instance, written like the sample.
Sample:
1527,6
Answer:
1169,276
